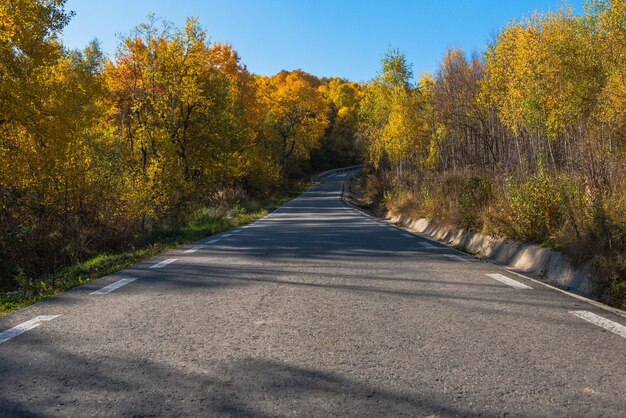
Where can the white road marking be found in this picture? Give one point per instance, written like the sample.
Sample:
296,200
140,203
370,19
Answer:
113,286
23,327
408,236
237,230
213,241
455,257
226,235
163,263
510,282
426,245
192,249
608,325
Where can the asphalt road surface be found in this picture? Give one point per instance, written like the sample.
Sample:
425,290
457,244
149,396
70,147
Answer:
316,310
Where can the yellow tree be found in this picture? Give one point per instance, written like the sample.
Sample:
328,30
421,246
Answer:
49,105
175,115
249,163
544,77
611,41
296,115
395,116
29,48
339,146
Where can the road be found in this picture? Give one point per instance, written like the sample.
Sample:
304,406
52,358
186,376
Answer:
316,310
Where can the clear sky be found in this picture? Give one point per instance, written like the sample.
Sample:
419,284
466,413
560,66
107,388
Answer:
344,38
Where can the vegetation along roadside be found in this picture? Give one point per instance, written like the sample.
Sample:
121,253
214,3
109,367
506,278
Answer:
202,223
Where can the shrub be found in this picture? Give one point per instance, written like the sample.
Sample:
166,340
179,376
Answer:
534,209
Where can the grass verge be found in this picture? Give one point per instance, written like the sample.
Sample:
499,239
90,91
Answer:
32,291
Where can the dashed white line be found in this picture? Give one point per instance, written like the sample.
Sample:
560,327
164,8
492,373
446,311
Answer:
113,286
213,241
163,263
607,324
426,245
237,230
408,236
23,327
510,282
226,235
192,250
455,257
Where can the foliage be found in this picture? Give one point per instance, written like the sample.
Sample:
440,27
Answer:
96,153
394,116
296,115
201,223
527,141
338,147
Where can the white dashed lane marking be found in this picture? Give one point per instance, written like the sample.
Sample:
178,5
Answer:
163,263
510,282
226,235
426,245
213,241
113,286
23,327
607,324
192,249
237,230
408,236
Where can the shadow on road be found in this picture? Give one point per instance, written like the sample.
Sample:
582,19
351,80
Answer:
248,387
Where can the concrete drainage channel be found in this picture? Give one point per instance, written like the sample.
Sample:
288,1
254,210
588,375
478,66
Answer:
561,273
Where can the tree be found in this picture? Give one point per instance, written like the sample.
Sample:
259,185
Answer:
175,106
296,115
392,116
338,147
49,107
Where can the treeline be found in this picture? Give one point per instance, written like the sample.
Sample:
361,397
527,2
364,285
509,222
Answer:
96,151
527,141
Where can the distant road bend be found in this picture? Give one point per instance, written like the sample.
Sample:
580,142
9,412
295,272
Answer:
315,310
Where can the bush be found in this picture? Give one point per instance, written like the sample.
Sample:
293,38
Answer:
534,209
452,198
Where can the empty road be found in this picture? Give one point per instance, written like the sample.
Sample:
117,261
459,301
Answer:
315,310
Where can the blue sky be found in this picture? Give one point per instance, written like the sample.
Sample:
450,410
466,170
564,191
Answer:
343,38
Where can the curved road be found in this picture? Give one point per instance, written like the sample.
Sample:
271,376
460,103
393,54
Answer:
316,310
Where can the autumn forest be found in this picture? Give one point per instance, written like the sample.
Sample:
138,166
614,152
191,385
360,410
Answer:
526,140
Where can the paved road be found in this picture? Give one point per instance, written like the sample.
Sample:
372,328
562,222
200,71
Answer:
316,310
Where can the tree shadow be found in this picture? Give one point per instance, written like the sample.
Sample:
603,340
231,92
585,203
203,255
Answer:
128,385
